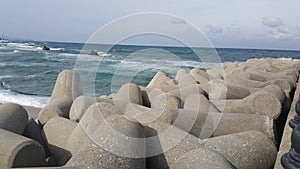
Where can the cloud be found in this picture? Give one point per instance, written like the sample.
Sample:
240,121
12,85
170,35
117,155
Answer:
214,29
298,28
271,22
281,33
178,21
281,36
282,30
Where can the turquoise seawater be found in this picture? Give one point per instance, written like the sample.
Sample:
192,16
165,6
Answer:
28,73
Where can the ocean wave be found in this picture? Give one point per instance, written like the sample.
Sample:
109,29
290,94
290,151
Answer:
2,64
22,99
30,46
3,47
4,41
56,49
123,50
21,45
105,54
51,49
22,64
69,54
163,65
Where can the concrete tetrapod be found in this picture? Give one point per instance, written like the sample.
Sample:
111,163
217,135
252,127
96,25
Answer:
59,107
183,92
267,76
19,151
34,131
244,150
220,91
128,93
67,86
13,117
90,121
79,107
199,102
159,79
235,77
180,73
56,132
202,124
187,80
202,158
199,75
160,100
113,144
257,103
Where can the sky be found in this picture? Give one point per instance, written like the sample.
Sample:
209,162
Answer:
264,24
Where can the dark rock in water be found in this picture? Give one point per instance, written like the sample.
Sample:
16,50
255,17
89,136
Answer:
93,53
46,48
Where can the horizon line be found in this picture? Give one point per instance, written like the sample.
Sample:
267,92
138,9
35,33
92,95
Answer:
156,45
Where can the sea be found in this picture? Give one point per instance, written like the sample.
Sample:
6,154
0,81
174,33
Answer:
28,73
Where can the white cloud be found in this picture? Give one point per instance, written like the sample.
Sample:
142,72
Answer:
271,22
214,29
281,33
281,36
282,30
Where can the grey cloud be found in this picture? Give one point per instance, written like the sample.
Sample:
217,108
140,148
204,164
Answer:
282,30
282,34
214,29
178,21
298,28
271,22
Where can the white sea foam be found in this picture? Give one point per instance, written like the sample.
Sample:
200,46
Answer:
162,65
30,47
68,54
105,54
26,100
56,49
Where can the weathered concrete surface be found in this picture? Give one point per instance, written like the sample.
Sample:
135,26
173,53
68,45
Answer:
180,73
67,86
90,121
159,79
202,158
246,150
257,103
199,75
201,124
109,148
13,117
34,131
199,102
160,100
19,151
128,93
79,106
285,144
59,107
56,132
244,80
